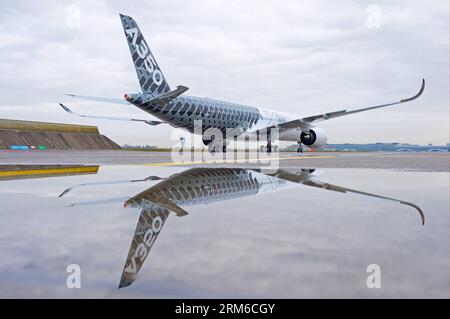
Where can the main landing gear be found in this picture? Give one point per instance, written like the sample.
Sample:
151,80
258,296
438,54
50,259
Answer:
269,146
300,147
212,148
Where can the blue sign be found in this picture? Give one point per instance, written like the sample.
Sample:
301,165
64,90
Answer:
19,147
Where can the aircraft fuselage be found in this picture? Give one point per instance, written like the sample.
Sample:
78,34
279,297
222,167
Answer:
183,112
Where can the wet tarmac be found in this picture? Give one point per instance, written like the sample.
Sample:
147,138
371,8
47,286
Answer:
231,231
426,161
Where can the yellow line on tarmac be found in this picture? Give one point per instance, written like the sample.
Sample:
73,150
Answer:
241,161
50,171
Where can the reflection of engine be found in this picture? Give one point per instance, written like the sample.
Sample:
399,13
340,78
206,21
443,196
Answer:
314,138
206,141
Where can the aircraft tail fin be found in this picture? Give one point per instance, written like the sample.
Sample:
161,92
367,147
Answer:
149,74
147,230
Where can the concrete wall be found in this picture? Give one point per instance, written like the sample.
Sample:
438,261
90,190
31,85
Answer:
52,135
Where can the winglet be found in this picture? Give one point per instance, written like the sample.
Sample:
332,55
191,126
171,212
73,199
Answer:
417,95
65,192
422,215
66,108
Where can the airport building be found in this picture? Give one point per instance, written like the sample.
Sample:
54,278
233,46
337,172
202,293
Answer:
380,147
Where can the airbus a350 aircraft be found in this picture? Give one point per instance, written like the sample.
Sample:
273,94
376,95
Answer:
182,111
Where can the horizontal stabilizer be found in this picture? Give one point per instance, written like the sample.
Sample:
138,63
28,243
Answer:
167,97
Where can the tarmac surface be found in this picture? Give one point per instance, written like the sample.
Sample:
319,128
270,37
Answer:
433,161
156,226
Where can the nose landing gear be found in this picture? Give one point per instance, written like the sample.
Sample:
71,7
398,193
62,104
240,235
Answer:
212,147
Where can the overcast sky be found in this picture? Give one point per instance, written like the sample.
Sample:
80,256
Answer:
302,57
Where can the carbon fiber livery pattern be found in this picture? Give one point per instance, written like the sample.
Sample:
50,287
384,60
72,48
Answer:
198,115
149,225
181,111
204,185
149,74
199,186
192,187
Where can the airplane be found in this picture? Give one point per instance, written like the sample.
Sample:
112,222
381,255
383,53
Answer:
202,186
219,120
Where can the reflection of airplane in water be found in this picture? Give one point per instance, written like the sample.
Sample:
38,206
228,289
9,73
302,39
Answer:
202,186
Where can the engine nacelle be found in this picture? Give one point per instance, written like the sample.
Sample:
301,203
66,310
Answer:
314,138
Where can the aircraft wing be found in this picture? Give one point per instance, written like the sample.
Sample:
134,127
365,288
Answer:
307,121
304,178
146,179
341,189
149,122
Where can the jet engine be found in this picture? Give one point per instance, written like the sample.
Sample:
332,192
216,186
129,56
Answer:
314,138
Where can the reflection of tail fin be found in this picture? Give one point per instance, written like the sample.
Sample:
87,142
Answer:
149,74
148,228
